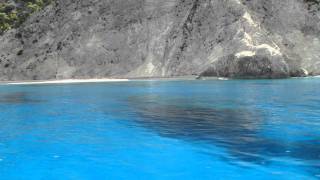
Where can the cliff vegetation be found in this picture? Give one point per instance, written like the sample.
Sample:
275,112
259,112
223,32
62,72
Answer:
15,12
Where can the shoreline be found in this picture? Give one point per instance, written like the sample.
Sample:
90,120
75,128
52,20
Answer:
104,80
94,80
63,81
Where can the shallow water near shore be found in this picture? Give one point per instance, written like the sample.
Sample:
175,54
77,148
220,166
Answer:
235,129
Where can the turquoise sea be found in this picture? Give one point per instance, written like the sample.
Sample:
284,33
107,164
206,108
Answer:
197,130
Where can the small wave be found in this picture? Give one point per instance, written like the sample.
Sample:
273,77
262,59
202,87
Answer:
223,79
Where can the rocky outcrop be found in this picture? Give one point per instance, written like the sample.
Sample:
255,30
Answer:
152,38
263,62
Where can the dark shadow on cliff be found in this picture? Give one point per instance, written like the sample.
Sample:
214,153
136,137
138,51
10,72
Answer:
235,129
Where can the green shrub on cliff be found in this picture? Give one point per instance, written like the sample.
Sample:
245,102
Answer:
12,15
36,5
7,20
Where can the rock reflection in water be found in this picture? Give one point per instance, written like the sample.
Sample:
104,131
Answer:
16,98
236,129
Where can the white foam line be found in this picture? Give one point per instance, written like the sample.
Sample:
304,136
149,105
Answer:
67,81
223,79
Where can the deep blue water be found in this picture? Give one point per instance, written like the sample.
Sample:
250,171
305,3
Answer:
237,129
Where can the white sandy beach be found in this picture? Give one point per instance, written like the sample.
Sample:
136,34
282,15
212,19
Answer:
64,81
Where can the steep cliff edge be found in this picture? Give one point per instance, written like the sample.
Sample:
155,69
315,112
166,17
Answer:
167,38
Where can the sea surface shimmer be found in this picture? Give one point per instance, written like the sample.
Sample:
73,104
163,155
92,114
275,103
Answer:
151,129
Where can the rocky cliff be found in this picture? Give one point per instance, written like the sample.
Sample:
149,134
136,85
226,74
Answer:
164,38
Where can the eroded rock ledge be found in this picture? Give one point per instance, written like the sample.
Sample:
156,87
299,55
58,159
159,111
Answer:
151,38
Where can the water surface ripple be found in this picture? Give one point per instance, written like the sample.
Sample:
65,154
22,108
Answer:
254,129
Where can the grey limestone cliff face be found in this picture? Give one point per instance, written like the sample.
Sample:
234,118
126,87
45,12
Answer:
164,38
